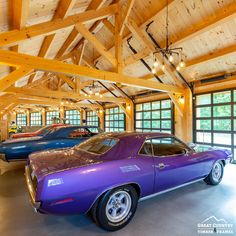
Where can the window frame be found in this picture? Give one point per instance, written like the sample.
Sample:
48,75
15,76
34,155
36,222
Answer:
41,119
17,122
212,118
154,137
46,120
171,119
69,116
120,112
92,114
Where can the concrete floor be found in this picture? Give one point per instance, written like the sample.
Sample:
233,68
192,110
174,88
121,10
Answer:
175,213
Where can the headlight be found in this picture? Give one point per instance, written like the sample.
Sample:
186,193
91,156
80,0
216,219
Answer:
3,157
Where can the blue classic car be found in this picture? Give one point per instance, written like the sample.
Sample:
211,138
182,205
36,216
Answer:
60,137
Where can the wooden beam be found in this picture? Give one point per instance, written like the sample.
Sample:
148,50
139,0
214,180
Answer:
38,63
20,10
133,27
60,94
205,25
109,25
67,80
127,11
96,43
136,57
94,5
118,42
10,79
14,36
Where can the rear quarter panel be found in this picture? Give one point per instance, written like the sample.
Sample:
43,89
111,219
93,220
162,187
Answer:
84,185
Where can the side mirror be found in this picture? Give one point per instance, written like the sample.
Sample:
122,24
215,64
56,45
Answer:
191,145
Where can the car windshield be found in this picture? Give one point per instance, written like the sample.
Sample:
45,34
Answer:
95,130
97,145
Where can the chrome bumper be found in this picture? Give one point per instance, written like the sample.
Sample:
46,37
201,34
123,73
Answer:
31,190
3,157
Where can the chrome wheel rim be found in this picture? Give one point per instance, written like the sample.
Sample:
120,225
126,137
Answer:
118,206
217,172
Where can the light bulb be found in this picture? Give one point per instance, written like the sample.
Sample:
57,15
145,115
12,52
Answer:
155,64
182,64
90,91
171,58
178,68
85,95
101,96
154,71
163,67
62,103
97,93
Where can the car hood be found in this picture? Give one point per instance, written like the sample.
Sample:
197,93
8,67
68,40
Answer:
22,135
23,139
46,162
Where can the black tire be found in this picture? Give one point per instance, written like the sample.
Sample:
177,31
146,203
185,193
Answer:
99,210
211,179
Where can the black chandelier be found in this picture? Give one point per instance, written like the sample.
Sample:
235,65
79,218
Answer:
172,54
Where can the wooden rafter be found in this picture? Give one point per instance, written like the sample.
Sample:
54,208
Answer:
96,43
61,94
38,63
14,36
10,79
125,16
94,5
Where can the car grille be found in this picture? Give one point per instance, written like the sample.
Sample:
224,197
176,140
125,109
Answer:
33,178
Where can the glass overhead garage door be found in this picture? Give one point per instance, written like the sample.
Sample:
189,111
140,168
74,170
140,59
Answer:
157,116
92,118
72,117
114,119
215,119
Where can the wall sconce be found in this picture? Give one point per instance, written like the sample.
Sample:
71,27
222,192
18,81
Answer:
100,111
181,100
128,107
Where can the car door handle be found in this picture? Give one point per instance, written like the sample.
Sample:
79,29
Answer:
161,166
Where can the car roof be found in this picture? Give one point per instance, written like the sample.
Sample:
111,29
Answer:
143,135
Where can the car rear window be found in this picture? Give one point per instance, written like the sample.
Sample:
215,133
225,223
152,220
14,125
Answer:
98,145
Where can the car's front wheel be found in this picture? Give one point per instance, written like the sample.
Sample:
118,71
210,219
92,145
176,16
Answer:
116,208
216,174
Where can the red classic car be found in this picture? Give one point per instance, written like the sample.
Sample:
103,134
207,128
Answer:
38,132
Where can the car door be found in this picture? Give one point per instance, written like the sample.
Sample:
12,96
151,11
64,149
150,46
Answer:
175,163
146,162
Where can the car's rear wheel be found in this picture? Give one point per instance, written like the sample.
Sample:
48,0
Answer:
216,174
116,208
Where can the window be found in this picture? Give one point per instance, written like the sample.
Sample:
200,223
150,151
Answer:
215,119
92,118
51,116
155,116
146,148
114,119
35,119
168,147
21,119
79,133
72,117
98,145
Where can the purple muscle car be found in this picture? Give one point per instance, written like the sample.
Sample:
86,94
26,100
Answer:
108,174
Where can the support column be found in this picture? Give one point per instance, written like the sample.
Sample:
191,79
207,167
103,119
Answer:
82,114
43,117
27,118
62,113
101,115
129,116
183,124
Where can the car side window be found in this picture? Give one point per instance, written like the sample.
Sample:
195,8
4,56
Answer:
169,146
146,149
79,133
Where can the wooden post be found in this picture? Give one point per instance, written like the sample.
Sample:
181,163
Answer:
129,116
43,117
102,119
183,124
82,114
